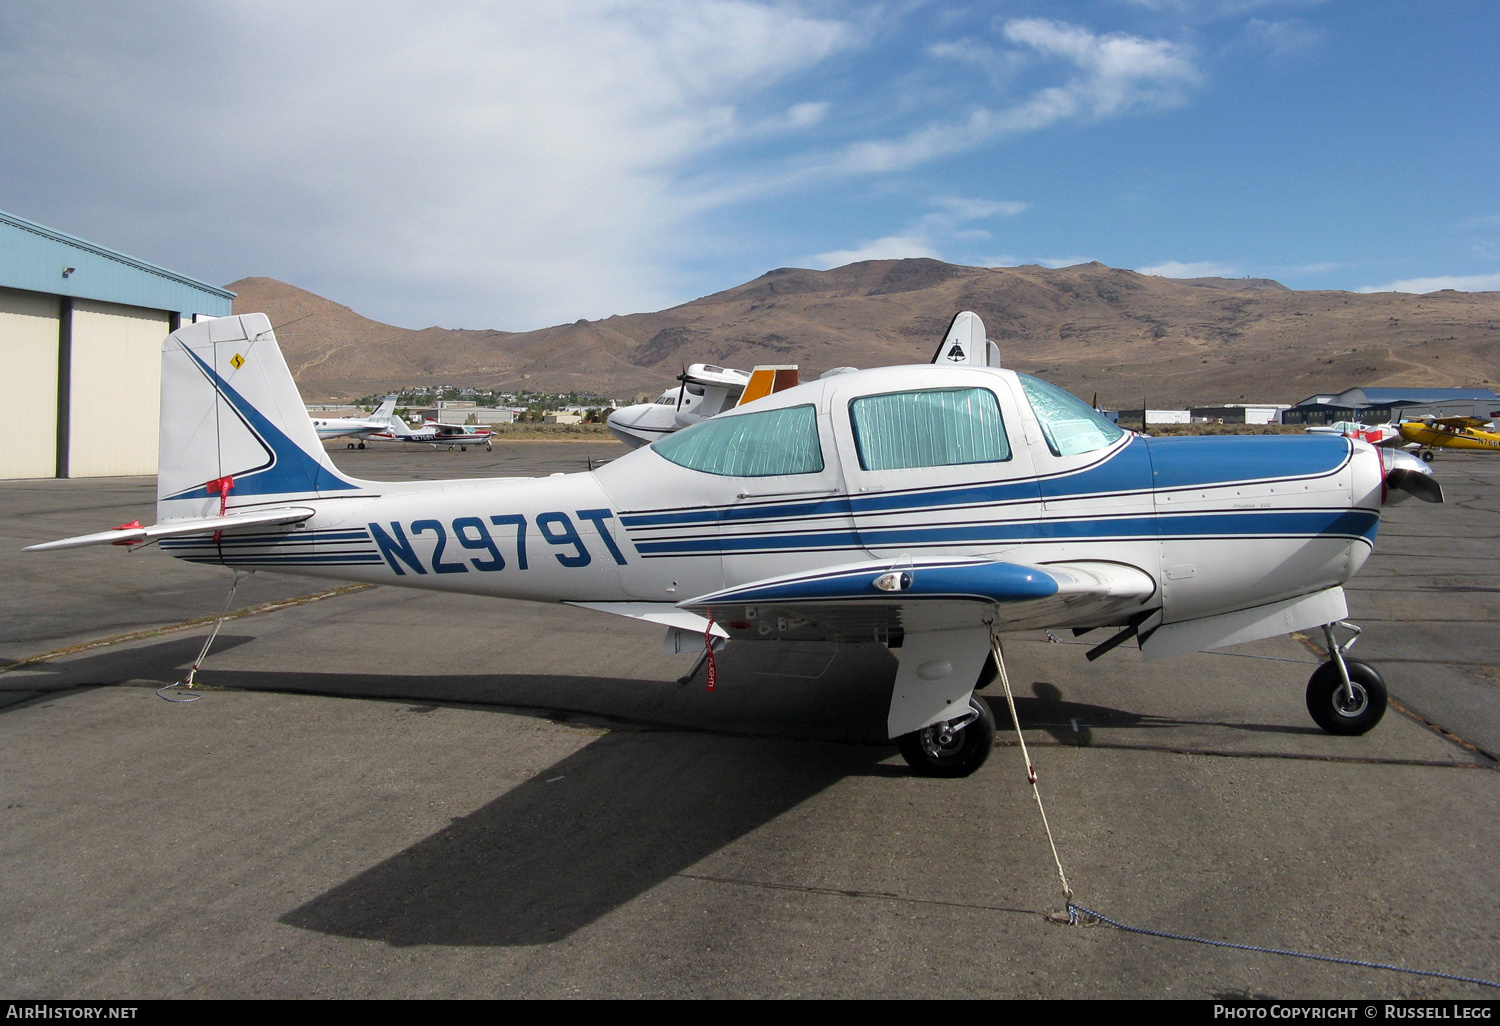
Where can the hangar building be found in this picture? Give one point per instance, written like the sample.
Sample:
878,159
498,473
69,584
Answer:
81,329
1384,405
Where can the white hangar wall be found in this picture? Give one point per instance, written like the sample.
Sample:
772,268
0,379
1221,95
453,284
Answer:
29,333
81,329
116,385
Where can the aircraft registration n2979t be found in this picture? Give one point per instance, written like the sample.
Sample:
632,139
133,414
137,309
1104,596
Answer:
928,507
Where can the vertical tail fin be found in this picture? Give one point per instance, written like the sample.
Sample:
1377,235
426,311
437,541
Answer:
385,411
965,343
231,415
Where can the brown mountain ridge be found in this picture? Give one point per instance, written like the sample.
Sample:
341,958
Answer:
1089,328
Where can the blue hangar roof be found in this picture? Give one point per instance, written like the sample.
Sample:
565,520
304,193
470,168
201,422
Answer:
1351,398
35,258
1381,396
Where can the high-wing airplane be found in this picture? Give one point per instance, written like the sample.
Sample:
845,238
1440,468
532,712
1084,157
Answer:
927,508
1450,433
434,434
703,390
357,427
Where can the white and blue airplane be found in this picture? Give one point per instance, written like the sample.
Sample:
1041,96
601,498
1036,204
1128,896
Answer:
360,428
925,507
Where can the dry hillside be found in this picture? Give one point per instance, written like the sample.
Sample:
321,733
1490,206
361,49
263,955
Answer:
1089,328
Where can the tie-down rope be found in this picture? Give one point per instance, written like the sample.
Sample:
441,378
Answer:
1010,700
202,654
1076,914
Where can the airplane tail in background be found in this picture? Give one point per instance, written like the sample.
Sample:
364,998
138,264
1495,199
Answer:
234,430
385,412
398,427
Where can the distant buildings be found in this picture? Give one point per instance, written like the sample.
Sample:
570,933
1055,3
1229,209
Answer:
1369,405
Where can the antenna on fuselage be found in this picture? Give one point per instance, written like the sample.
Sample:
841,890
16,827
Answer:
964,345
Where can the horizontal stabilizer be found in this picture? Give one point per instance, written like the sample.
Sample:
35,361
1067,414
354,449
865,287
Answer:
135,534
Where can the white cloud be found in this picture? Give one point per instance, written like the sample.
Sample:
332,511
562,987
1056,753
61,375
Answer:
1463,283
1111,75
892,247
1285,39
483,164
1178,269
920,239
960,208
805,115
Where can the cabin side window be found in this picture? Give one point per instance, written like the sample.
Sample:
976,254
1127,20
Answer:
1070,425
931,428
766,444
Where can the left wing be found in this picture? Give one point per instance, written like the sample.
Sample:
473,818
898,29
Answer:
879,598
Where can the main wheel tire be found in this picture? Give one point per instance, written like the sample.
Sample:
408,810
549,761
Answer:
1324,699
463,448
1426,455
361,445
965,752
351,445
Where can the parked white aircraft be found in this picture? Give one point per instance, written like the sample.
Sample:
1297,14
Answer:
703,390
923,507
357,427
434,434
1375,434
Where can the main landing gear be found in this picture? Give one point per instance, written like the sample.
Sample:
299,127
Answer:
361,445
1345,696
952,749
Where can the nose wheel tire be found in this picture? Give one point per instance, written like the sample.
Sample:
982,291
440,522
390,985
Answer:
1334,710
943,750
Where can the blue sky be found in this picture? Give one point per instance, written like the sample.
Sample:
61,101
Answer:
515,165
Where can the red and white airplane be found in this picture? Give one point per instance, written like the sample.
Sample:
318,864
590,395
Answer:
434,434
1375,434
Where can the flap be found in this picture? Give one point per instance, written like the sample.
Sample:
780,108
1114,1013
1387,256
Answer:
663,613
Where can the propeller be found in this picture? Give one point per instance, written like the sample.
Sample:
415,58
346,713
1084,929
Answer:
1405,475
682,388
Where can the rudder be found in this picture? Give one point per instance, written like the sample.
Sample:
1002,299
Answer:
231,413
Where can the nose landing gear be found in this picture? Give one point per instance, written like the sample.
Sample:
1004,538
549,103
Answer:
1345,696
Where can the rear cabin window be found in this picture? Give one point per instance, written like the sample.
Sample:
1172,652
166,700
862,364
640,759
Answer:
932,428
1070,425
766,444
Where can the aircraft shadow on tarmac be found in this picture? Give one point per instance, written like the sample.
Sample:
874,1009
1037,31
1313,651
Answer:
620,816
590,834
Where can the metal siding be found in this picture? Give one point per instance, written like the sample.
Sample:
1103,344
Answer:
28,366
116,389
33,257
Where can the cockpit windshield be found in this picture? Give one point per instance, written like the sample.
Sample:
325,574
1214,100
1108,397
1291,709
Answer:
1070,425
765,444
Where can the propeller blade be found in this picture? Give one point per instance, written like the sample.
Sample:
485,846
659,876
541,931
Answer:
682,386
1414,482
1405,475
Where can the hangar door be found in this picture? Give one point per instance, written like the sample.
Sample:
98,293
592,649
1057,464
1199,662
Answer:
29,326
116,393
